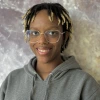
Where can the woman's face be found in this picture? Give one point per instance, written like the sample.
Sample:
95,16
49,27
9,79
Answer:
46,52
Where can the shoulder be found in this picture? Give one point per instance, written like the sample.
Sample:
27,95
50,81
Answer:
16,73
85,84
13,75
82,76
88,85
9,78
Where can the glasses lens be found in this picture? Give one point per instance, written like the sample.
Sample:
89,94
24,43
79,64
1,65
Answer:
52,36
32,35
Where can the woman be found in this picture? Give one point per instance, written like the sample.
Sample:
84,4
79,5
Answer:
49,75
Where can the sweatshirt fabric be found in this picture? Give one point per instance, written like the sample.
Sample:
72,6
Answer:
66,82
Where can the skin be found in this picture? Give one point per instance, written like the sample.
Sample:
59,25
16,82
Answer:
50,58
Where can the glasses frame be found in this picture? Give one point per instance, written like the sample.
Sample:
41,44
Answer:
28,40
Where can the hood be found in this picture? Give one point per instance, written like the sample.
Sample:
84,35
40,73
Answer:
68,65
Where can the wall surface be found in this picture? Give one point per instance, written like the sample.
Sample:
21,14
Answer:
84,45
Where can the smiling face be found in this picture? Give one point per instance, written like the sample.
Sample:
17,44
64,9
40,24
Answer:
46,52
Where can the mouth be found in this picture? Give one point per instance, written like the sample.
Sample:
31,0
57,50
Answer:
43,51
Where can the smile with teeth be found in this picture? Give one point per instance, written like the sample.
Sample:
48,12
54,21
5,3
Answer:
42,51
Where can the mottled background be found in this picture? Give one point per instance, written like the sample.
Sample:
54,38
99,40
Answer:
84,45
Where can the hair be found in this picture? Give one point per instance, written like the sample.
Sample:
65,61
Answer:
53,9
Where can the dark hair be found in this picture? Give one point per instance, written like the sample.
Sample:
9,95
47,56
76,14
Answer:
52,8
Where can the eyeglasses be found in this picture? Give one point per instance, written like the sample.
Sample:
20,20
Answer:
52,36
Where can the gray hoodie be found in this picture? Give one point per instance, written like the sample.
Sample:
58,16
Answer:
66,82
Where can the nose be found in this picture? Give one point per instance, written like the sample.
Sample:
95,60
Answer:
42,39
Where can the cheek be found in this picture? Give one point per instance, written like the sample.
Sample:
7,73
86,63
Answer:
58,45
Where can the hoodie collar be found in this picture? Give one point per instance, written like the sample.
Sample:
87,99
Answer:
69,64
30,67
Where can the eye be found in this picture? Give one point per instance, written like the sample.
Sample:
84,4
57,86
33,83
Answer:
53,33
35,33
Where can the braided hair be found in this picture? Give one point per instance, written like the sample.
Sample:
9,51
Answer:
53,9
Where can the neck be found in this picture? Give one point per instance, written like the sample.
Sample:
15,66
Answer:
43,69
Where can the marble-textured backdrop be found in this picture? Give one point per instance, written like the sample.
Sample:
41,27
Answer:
84,44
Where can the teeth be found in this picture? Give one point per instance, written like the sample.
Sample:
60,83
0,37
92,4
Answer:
43,50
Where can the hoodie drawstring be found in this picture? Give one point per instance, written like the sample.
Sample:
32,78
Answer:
32,91
47,89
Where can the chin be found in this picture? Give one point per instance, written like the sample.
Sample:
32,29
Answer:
44,59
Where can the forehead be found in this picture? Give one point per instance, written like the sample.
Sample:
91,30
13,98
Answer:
44,14
42,19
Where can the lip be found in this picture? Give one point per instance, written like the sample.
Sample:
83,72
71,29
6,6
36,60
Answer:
43,51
